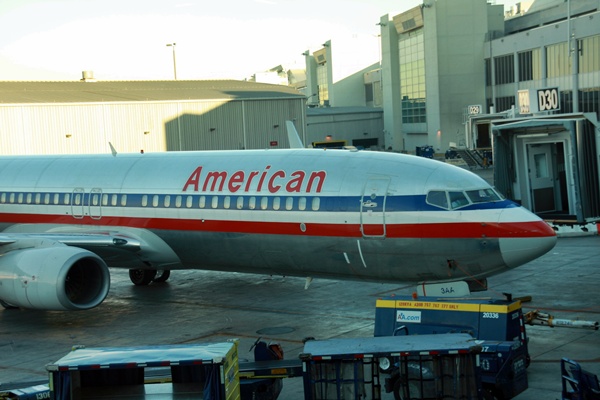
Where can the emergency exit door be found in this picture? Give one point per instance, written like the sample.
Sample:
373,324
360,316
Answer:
541,177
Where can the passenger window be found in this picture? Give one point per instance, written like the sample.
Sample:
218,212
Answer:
29,198
264,203
67,198
178,201
457,200
123,200
12,198
226,202
38,198
252,203
189,201
215,202
95,200
437,198
240,203
276,203
202,202
3,198
113,200
104,199
145,200
56,198
167,201
316,203
20,199
289,203
77,199
302,204
47,198
155,200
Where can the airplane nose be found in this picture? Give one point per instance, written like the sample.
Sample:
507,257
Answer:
518,251
528,237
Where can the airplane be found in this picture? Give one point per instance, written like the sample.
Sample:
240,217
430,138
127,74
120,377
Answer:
340,214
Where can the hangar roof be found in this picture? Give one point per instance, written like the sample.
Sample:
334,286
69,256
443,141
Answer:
19,92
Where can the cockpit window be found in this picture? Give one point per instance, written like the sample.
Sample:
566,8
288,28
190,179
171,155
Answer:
437,198
457,200
482,196
454,200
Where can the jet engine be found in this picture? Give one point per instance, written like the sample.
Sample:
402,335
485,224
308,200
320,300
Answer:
53,278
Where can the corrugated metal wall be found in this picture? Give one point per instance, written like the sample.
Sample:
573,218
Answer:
147,126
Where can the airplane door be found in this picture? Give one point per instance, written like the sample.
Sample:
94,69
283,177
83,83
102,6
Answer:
94,202
372,207
77,203
541,177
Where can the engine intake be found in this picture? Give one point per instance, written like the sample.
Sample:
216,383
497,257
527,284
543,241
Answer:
53,278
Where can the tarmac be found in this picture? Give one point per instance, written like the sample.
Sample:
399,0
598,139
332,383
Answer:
204,306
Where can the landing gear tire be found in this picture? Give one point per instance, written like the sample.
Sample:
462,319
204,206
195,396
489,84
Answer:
7,305
162,275
142,277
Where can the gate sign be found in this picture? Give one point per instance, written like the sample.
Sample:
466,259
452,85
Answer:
534,101
475,109
548,99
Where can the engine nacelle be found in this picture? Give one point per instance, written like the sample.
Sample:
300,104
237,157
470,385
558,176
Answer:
53,278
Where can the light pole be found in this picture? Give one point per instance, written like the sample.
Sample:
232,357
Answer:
174,62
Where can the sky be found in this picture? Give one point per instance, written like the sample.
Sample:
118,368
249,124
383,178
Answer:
218,39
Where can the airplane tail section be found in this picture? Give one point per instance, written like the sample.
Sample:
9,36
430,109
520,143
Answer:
293,137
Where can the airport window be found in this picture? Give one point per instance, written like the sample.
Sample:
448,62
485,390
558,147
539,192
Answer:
240,203
530,65
302,203
412,77
264,203
252,203
215,202
504,69
289,203
482,196
488,72
558,61
202,202
316,203
589,56
505,103
145,200
178,201
457,200
276,203
189,201
437,198
322,84
167,201
227,202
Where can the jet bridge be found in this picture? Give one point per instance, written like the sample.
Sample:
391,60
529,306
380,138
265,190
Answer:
549,164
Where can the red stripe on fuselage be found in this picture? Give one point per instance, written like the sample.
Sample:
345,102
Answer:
470,230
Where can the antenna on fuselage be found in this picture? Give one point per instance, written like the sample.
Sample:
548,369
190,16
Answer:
293,137
112,149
